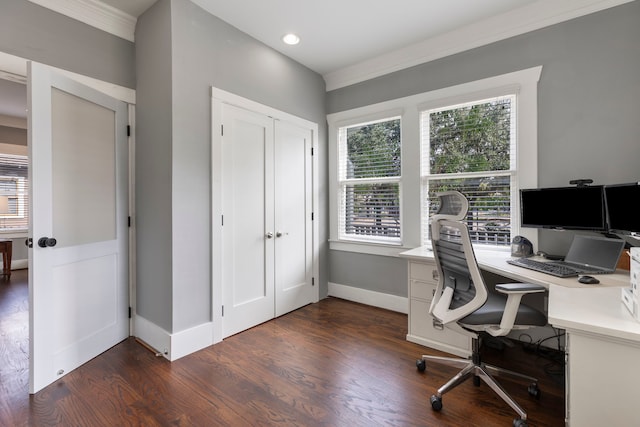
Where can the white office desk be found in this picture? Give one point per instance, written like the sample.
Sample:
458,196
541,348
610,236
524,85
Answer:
602,340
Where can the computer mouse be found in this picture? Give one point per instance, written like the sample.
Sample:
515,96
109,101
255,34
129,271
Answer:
588,280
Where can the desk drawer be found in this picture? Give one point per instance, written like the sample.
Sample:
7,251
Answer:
422,325
426,272
422,290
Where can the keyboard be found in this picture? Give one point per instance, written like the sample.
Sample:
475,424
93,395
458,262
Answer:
544,267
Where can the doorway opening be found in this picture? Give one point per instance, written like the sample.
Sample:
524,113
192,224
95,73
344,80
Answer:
17,291
14,285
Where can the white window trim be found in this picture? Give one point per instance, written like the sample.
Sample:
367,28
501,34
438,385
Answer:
526,83
343,180
345,119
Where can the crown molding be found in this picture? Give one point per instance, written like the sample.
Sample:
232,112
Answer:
537,15
96,14
13,77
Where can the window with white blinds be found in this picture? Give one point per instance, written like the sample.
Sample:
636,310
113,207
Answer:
14,192
369,181
471,148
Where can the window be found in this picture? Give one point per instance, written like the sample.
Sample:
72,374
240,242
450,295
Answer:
388,159
13,192
471,148
369,175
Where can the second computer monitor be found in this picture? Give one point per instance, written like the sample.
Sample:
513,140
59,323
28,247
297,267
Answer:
570,208
621,206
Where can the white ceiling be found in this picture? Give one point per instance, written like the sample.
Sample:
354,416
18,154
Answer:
348,41
338,33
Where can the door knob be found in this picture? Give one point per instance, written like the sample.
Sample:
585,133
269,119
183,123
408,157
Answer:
278,233
29,242
269,235
44,242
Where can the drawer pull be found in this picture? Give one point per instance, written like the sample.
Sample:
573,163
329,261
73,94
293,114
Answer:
438,325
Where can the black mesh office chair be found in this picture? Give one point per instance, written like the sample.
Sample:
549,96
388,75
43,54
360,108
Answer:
462,302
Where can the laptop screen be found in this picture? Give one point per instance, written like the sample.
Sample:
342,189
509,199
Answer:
597,251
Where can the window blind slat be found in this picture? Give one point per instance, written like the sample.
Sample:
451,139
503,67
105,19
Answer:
14,192
370,152
475,144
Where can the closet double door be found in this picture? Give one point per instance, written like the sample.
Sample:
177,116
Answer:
267,261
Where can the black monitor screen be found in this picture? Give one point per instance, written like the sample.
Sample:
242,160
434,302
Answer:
571,208
621,207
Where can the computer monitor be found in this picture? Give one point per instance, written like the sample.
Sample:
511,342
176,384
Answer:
622,214
569,208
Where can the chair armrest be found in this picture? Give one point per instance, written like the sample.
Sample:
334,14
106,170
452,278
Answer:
524,288
514,292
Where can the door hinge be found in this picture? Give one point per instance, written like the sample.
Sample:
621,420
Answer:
129,221
312,151
313,281
222,220
129,312
311,216
221,130
128,130
223,311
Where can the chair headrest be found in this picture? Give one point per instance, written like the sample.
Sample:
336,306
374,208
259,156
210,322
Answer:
453,206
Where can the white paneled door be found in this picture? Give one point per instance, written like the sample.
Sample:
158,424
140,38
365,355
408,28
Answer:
267,261
293,226
78,263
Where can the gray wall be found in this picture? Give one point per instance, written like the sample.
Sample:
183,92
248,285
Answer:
175,212
588,120
153,194
33,32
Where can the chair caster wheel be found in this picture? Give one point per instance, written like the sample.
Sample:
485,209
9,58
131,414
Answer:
421,365
436,403
520,423
534,390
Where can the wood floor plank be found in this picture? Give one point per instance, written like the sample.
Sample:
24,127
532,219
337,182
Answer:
334,363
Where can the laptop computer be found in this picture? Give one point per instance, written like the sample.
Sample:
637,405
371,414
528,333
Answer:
593,255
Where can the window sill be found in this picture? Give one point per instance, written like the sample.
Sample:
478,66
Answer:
367,248
14,234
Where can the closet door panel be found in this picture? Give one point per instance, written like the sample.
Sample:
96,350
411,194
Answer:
248,290
293,209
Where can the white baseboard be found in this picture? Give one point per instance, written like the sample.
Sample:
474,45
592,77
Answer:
173,346
373,298
19,264
191,340
152,335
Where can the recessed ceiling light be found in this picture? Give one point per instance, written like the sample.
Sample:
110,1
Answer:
291,39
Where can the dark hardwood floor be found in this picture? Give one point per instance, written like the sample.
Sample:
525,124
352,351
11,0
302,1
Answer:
335,363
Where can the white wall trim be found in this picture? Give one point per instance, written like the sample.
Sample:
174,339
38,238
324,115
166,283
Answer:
373,298
535,16
19,264
153,335
173,346
219,97
190,340
95,13
17,67
525,82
